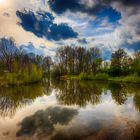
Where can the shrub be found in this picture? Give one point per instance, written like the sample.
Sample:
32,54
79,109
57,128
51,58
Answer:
86,76
114,72
12,78
36,74
23,76
132,78
101,76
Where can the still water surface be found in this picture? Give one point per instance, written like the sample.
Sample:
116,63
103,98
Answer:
70,110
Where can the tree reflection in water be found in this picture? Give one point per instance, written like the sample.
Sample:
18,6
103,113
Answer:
102,125
83,92
78,93
15,97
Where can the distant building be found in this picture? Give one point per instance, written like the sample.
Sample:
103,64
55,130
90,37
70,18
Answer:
106,64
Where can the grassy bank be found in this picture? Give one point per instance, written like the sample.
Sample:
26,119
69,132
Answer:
102,77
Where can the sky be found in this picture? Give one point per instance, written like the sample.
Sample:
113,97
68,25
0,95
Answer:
41,26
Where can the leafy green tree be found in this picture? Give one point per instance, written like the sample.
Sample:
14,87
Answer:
117,62
136,62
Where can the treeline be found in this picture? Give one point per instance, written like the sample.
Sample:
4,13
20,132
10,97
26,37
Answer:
74,60
17,66
89,63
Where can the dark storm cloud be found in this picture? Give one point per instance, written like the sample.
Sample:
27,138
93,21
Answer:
125,2
42,25
61,6
86,6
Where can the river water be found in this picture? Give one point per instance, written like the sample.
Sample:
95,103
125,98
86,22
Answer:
70,110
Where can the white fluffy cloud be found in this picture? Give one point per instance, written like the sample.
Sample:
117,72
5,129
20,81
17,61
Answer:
126,32
104,35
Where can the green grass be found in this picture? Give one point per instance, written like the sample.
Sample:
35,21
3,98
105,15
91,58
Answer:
102,77
132,79
116,79
126,79
70,77
85,76
90,76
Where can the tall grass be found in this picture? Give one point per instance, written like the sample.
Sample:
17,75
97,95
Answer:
101,76
86,76
132,79
91,76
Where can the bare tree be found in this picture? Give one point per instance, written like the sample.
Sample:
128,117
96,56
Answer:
8,51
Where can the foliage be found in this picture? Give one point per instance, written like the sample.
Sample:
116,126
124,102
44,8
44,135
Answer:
136,63
24,76
120,63
75,60
91,76
18,67
56,73
87,64
86,76
132,79
101,76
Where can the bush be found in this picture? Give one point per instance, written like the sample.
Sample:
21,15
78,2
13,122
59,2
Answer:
36,74
132,79
24,76
101,76
86,76
12,78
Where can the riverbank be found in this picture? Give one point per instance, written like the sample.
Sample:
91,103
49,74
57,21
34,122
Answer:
103,77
